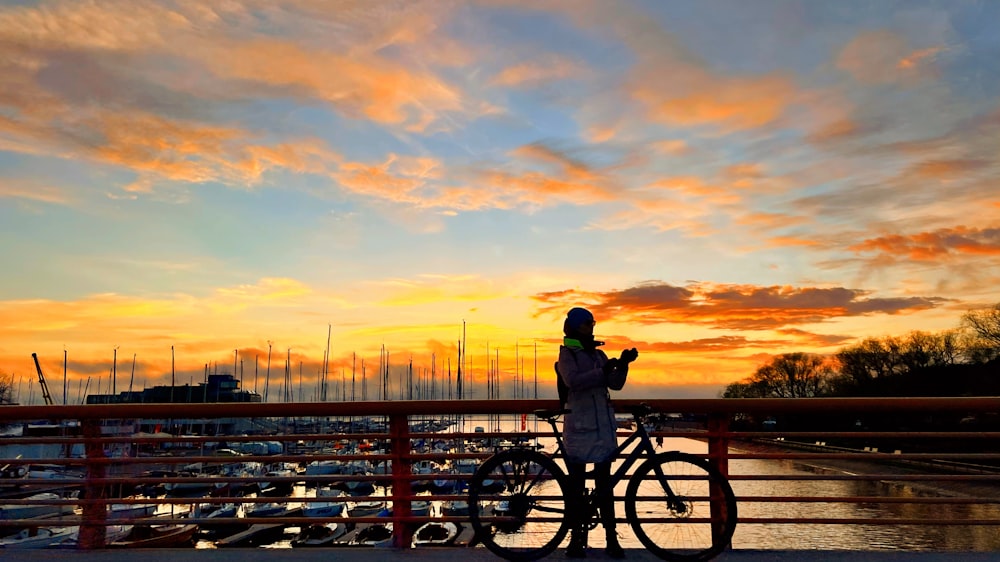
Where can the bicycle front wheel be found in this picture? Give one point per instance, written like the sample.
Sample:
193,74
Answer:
517,504
681,508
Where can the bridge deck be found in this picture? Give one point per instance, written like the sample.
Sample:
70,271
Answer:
466,555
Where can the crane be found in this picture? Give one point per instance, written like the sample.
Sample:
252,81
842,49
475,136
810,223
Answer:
41,381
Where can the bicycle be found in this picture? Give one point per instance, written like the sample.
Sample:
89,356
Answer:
679,506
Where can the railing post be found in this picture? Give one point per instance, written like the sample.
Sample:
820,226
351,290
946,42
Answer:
718,450
399,435
95,512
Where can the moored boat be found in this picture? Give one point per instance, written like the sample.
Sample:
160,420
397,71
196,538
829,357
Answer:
319,535
435,533
257,534
277,481
324,468
215,511
42,537
373,534
157,536
112,533
131,510
420,508
323,509
271,509
38,508
365,508
455,507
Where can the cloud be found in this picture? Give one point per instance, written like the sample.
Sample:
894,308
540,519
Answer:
142,86
699,98
945,244
267,289
563,163
359,86
845,129
29,190
537,176
693,203
885,57
730,343
533,73
948,169
740,307
430,289
397,179
673,147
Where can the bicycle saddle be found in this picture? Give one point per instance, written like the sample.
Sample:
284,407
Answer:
551,414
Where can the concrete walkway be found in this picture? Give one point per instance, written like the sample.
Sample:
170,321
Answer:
462,555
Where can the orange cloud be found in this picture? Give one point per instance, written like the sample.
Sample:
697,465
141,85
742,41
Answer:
918,57
267,289
11,188
536,72
934,246
729,343
673,147
743,175
176,150
395,179
358,85
544,190
792,242
743,307
693,186
567,166
704,99
948,169
844,129
883,57
97,55
429,289
771,221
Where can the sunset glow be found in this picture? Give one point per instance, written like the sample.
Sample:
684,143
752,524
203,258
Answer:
718,181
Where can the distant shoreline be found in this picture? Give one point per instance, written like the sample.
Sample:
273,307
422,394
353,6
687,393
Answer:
942,488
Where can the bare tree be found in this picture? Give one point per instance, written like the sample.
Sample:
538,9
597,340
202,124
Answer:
6,388
923,349
870,359
790,375
985,322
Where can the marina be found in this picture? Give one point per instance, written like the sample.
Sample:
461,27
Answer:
324,495
283,500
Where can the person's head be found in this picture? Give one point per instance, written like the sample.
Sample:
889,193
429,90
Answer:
579,322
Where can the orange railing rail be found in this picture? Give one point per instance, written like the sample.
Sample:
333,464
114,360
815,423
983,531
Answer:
723,424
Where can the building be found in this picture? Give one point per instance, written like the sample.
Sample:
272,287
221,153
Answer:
218,388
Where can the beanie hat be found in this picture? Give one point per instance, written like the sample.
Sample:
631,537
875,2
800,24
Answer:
577,316
574,319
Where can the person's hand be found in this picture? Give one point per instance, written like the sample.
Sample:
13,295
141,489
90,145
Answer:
611,365
629,355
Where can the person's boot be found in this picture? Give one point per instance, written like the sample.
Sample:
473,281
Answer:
577,544
613,549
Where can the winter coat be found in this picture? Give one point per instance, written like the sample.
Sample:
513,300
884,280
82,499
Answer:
589,429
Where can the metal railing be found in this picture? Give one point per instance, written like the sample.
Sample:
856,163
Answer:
940,446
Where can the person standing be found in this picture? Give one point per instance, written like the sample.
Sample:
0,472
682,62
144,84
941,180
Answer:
589,430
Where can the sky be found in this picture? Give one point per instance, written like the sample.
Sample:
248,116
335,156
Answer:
192,186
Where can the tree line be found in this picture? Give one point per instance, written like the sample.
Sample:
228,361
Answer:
964,361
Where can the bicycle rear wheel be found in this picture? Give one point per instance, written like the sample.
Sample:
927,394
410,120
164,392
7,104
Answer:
517,504
698,524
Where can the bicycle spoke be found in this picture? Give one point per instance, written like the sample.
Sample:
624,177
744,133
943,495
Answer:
681,508
518,504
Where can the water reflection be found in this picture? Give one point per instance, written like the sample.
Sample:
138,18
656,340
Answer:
851,537
831,537
813,537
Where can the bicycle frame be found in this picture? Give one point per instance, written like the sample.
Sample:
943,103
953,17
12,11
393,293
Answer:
642,451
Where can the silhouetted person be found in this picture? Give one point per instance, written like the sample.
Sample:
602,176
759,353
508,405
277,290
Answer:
589,430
